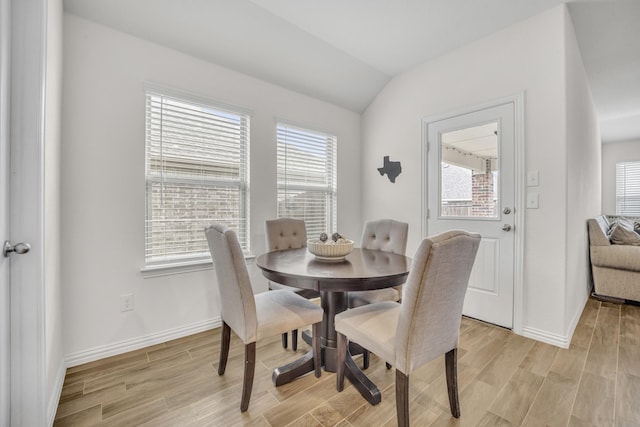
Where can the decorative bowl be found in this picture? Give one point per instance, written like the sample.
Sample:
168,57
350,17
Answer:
330,250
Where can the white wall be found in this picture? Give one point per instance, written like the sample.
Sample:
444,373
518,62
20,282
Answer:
103,185
528,57
612,153
583,178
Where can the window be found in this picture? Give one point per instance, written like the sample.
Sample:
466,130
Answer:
628,188
307,178
196,174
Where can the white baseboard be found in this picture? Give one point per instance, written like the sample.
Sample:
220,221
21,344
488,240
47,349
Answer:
54,400
576,318
113,349
546,337
558,340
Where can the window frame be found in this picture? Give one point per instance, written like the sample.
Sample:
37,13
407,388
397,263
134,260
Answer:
627,181
330,187
195,260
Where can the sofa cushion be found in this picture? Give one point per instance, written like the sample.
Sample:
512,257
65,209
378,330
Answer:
623,257
622,235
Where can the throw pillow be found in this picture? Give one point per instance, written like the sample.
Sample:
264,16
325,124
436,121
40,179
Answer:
622,222
625,222
621,235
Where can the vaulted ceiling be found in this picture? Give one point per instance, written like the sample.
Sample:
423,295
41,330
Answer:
345,52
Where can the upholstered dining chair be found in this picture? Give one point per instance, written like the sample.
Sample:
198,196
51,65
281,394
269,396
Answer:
424,325
254,317
385,235
281,234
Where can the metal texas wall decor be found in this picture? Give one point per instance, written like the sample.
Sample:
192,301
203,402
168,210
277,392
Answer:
392,169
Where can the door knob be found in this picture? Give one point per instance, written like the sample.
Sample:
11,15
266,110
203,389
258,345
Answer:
19,248
506,227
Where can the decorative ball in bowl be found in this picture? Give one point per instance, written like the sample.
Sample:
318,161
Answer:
330,250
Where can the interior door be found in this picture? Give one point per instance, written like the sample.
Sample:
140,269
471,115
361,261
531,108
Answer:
5,315
23,27
471,174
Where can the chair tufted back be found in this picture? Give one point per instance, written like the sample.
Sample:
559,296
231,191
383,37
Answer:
385,235
285,233
239,307
431,309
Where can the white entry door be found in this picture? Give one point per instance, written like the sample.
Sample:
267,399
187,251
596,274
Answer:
471,175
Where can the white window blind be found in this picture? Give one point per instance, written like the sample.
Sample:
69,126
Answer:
307,189
196,174
628,188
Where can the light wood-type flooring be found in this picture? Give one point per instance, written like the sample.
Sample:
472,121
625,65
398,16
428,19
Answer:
504,380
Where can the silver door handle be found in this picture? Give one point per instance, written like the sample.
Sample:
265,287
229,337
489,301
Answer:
19,248
506,227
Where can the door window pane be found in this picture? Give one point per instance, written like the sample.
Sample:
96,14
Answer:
469,172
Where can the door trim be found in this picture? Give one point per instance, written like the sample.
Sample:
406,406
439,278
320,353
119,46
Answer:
5,280
519,172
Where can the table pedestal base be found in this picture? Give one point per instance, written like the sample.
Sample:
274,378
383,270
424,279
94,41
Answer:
329,355
361,382
333,302
287,373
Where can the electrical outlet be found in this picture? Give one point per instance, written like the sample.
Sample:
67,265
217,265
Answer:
126,302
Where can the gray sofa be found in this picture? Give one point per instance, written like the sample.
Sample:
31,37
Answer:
615,267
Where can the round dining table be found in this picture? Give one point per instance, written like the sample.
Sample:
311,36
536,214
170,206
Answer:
361,270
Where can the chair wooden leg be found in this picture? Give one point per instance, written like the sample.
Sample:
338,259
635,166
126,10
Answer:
402,399
224,348
451,366
284,340
366,358
249,370
342,357
317,351
294,340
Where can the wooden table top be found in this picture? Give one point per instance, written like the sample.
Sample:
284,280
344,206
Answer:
362,269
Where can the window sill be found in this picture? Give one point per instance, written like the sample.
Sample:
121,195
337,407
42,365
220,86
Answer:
160,270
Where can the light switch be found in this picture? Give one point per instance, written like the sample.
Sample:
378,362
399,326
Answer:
533,178
532,201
